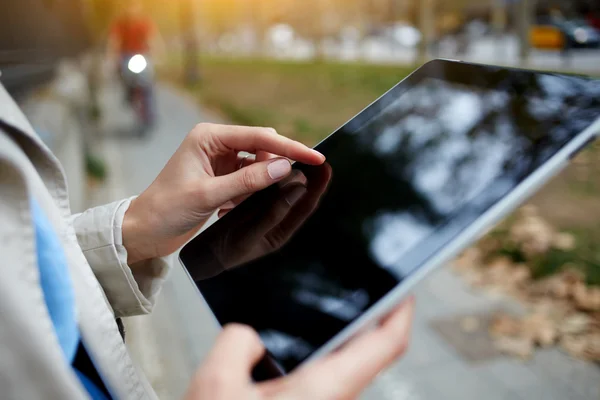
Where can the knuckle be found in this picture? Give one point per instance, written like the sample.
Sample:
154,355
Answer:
254,135
202,128
249,180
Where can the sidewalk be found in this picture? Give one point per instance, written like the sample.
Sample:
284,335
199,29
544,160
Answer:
442,362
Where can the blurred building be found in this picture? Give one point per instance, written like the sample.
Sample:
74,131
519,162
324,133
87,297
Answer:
34,34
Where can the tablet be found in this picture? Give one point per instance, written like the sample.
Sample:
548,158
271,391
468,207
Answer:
409,182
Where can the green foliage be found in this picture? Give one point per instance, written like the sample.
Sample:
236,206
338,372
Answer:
95,167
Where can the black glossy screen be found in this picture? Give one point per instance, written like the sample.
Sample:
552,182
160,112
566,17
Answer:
401,180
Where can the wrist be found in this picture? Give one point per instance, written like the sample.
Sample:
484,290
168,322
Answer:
136,235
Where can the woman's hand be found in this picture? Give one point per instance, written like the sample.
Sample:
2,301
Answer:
264,226
226,374
205,174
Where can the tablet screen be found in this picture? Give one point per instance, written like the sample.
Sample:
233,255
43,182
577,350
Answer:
303,259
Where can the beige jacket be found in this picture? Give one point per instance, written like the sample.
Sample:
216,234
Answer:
32,365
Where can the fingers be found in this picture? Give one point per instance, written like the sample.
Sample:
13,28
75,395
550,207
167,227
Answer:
264,156
362,359
248,180
348,372
243,160
254,140
237,350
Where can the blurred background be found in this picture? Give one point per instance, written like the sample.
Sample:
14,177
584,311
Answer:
113,86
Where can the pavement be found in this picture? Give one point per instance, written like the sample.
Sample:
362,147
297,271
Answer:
169,344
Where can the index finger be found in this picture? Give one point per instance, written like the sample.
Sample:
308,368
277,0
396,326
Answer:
254,139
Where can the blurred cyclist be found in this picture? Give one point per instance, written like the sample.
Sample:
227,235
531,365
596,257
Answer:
132,33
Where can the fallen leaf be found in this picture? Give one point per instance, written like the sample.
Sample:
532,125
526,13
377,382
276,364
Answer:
528,210
469,324
555,309
573,345
575,324
521,274
503,325
564,241
586,298
592,349
540,329
586,347
516,347
553,286
468,259
572,275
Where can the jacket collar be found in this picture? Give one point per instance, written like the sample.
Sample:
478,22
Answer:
11,115
39,154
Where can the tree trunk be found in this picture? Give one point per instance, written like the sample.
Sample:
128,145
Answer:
191,56
499,22
427,23
524,15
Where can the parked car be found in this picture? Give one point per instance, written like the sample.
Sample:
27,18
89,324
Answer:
554,33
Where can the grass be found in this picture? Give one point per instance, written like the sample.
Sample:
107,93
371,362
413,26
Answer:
307,101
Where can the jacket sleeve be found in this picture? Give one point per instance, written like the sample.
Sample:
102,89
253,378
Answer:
99,233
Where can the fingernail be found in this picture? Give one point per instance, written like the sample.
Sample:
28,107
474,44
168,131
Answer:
295,194
319,154
279,168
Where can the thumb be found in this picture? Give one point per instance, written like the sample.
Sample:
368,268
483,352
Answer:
228,366
237,350
248,180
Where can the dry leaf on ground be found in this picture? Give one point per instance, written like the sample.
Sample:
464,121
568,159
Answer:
470,324
587,298
503,325
515,346
540,329
585,347
564,241
563,310
575,324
